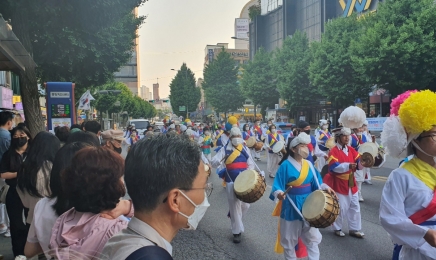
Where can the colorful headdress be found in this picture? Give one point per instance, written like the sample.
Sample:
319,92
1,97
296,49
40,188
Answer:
302,138
412,113
232,120
352,117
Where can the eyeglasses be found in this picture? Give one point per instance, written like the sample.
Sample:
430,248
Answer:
208,188
431,136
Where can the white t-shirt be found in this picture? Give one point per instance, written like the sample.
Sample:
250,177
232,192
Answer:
44,218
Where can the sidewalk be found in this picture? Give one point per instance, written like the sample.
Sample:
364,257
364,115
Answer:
6,248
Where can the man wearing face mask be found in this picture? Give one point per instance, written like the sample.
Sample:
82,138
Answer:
246,135
112,139
303,126
299,173
408,202
358,138
273,158
205,142
258,132
171,166
237,159
343,162
321,138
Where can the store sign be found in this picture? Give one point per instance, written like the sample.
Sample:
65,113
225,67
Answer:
376,123
60,94
350,6
242,28
6,98
18,106
240,54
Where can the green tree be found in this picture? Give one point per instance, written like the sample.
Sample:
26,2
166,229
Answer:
291,65
80,41
183,91
220,84
331,69
397,50
258,80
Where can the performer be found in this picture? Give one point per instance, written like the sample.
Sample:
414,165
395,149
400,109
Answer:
408,203
299,173
358,138
369,138
343,162
236,158
321,138
247,134
259,133
314,151
205,142
273,159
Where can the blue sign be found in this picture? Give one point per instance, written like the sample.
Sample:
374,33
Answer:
61,110
211,55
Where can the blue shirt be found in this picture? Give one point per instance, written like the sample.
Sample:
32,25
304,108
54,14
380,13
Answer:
5,141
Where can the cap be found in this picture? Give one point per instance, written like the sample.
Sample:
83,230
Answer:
113,134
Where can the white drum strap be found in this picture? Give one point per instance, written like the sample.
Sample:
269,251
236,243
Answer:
314,175
296,209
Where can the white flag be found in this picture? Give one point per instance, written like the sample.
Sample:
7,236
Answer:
85,101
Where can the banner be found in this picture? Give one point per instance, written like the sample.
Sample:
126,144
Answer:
376,123
85,101
241,28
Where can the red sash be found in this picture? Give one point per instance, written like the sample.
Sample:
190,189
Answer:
259,131
248,135
359,140
272,136
425,214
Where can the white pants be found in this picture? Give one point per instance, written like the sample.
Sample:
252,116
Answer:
367,172
208,156
290,231
360,177
256,154
272,164
237,209
320,163
350,209
4,219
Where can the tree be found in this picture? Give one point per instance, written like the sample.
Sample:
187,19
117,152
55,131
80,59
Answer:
258,80
291,65
80,41
331,69
220,84
183,91
397,49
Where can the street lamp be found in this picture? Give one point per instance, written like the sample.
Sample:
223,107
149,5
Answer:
186,72
241,39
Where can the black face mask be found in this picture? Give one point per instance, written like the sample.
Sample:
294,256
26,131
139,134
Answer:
118,150
307,132
19,142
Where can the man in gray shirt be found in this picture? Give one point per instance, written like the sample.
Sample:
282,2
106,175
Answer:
5,135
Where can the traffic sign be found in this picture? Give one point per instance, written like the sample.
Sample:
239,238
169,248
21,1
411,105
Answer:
182,108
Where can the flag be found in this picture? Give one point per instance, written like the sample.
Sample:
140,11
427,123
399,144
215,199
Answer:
85,101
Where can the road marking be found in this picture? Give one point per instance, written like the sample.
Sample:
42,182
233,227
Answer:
380,178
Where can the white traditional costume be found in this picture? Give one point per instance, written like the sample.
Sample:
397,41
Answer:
408,203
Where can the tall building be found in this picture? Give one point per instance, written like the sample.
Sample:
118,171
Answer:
145,93
156,91
129,74
239,55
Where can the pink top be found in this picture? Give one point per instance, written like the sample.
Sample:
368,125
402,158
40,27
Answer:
79,235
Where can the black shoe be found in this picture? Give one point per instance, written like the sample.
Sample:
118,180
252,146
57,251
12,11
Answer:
237,238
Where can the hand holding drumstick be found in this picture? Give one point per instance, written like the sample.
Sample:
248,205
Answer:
282,195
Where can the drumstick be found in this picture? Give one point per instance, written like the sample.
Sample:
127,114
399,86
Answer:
287,190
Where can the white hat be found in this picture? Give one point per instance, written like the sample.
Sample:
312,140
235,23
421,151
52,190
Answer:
341,131
322,122
366,122
302,138
183,128
352,117
235,131
172,126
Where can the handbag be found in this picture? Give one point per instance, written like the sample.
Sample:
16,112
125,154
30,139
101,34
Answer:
3,193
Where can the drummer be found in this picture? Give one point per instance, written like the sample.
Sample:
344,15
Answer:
246,135
205,142
369,138
321,139
257,130
357,139
236,158
343,162
273,158
299,173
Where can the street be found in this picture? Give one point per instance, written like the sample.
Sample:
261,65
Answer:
213,238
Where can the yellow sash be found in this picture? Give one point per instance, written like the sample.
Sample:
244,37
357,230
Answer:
234,154
273,140
278,248
218,136
206,138
421,170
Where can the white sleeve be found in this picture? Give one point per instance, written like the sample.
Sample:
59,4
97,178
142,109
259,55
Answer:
393,217
250,161
342,168
217,159
318,152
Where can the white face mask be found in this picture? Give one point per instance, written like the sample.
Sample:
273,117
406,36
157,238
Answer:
198,214
207,133
303,152
237,141
273,131
419,148
324,127
246,129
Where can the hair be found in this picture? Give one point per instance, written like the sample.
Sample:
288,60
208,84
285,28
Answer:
289,151
160,163
61,162
243,128
21,129
271,126
62,133
93,126
42,151
5,117
22,124
92,183
84,137
76,126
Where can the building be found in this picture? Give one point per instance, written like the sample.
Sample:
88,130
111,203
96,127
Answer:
282,18
242,26
129,74
156,91
239,55
145,93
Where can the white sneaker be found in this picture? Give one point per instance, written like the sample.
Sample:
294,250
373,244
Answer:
20,257
368,182
8,233
339,233
3,229
361,199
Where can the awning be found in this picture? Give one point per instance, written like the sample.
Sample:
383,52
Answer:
13,55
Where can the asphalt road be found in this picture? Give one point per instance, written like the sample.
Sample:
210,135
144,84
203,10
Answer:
213,238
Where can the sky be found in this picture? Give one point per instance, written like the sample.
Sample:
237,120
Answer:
177,31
